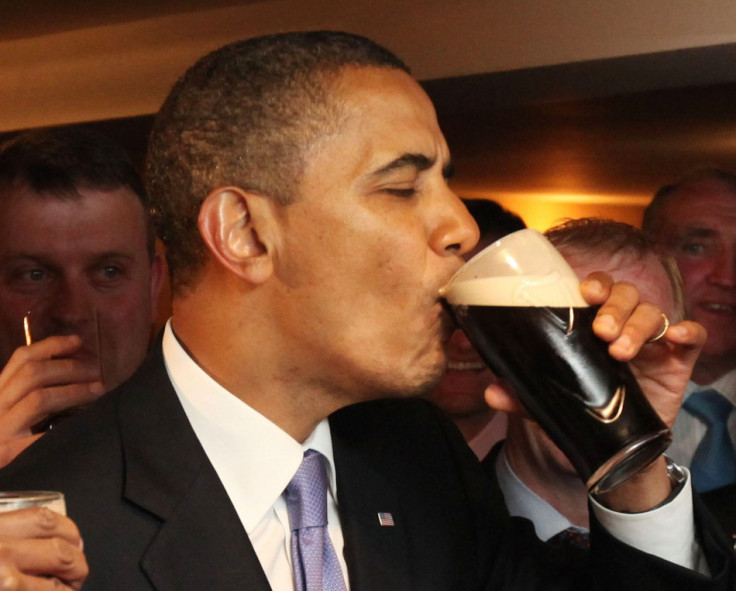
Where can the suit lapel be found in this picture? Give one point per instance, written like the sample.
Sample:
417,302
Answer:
201,543
376,555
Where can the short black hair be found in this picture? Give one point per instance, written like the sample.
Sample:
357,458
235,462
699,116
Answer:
60,161
494,220
245,115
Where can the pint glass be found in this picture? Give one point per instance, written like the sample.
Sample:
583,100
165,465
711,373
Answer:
519,303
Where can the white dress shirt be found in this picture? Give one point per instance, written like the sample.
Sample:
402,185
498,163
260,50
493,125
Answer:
667,532
254,459
521,501
688,430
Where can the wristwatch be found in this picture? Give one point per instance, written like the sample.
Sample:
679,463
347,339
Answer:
678,478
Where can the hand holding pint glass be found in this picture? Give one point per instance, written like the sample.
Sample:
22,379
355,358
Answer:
519,303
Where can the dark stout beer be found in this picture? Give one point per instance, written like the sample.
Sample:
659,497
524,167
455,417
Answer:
588,403
519,303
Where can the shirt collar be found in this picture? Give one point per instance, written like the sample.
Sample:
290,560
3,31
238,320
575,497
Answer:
254,458
524,502
490,435
726,385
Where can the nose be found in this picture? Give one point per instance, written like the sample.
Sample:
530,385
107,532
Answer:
70,307
456,232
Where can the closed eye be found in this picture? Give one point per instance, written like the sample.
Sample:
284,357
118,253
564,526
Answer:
403,193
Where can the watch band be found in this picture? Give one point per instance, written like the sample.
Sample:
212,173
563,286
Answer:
678,478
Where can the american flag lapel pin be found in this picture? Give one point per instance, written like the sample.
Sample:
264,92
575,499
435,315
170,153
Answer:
385,519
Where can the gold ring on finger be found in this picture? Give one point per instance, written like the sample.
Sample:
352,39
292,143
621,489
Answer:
665,326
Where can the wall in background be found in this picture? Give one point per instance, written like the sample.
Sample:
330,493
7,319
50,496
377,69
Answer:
70,61
554,109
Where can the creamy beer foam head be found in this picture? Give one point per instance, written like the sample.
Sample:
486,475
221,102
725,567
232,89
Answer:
553,290
520,269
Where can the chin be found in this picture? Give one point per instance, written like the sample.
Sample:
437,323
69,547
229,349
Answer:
422,385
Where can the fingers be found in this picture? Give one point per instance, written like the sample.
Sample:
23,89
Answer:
39,404
683,342
40,549
43,364
499,397
11,580
38,522
628,334
35,384
41,564
44,374
691,336
662,331
622,320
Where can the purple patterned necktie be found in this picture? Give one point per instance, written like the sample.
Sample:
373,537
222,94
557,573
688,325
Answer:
313,557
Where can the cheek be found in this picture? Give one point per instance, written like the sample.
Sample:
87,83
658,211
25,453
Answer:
384,273
12,334
13,309
124,337
692,272
11,325
402,264
126,313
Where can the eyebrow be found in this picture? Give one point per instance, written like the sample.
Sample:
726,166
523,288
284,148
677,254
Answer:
697,232
418,162
45,260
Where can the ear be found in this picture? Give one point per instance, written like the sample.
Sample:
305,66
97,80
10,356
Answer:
231,221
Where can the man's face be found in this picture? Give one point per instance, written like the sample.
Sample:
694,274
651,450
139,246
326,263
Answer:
372,236
461,393
69,260
699,230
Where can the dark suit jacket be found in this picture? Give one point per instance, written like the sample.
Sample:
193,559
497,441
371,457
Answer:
489,462
722,503
154,515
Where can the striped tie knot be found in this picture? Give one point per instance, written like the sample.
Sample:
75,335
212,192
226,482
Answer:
306,494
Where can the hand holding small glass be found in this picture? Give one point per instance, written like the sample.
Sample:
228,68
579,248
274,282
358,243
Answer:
49,374
41,546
